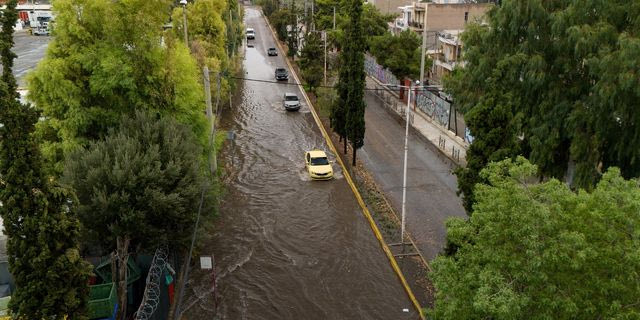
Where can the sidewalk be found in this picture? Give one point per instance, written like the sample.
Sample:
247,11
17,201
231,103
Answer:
452,146
430,186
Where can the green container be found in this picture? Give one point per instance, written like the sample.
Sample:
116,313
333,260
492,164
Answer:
104,271
102,300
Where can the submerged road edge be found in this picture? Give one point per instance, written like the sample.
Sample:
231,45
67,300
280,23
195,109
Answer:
363,206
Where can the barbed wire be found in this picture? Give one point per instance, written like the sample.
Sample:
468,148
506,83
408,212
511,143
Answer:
152,293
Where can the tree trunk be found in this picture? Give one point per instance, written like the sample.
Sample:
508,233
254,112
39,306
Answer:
353,163
179,287
114,268
345,145
123,257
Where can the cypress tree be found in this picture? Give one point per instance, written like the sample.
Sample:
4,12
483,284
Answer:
42,231
338,115
354,47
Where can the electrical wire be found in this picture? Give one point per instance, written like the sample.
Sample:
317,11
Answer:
431,88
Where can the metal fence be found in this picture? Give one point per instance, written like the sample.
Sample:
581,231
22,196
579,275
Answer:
379,72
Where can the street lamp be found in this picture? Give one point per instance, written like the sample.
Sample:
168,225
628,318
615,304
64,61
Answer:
184,17
406,149
404,174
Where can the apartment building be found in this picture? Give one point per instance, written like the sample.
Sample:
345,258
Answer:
437,16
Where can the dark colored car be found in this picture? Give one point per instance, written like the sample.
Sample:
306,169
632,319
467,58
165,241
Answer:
272,52
282,74
291,102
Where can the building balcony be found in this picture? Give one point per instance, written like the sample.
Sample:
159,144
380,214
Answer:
416,26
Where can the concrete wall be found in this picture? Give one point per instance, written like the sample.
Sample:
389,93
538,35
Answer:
451,16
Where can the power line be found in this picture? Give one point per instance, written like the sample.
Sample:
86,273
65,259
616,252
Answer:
323,86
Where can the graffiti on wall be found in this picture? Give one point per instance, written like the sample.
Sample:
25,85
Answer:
434,106
428,102
377,71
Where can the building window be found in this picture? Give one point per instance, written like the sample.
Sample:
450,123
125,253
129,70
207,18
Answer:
466,17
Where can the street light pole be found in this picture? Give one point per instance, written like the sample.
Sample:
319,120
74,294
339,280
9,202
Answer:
324,35
424,47
404,179
184,18
334,18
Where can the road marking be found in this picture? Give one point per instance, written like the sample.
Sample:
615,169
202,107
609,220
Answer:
347,176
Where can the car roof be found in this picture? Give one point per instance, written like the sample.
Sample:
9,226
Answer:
272,48
250,29
281,69
317,154
290,94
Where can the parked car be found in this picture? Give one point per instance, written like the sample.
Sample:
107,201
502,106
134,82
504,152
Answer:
291,102
282,74
272,52
251,34
318,165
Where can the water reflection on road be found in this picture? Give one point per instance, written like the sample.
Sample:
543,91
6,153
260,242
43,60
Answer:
287,247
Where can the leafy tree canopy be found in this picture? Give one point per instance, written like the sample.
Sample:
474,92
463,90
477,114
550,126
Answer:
107,59
312,62
399,53
143,180
567,73
39,222
541,251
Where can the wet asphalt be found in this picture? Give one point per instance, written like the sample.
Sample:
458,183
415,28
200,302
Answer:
287,247
431,186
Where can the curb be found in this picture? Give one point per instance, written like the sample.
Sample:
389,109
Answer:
347,177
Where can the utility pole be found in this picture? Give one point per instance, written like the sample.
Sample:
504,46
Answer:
209,112
424,46
334,18
324,35
184,17
313,15
404,179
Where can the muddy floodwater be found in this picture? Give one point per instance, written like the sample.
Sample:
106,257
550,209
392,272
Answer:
286,247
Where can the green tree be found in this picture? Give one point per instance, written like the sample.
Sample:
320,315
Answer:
207,37
374,23
138,188
39,221
352,82
541,251
399,53
108,59
312,60
292,30
280,19
567,70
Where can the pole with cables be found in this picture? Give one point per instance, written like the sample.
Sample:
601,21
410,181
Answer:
404,179
424,47
324,35
334,18
184,18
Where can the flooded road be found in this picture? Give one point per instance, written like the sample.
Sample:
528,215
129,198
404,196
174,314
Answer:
287,247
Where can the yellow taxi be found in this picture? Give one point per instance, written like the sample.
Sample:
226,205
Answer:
318,165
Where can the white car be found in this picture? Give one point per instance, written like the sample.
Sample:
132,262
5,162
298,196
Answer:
251,34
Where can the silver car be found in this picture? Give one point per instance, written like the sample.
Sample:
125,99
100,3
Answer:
291,102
